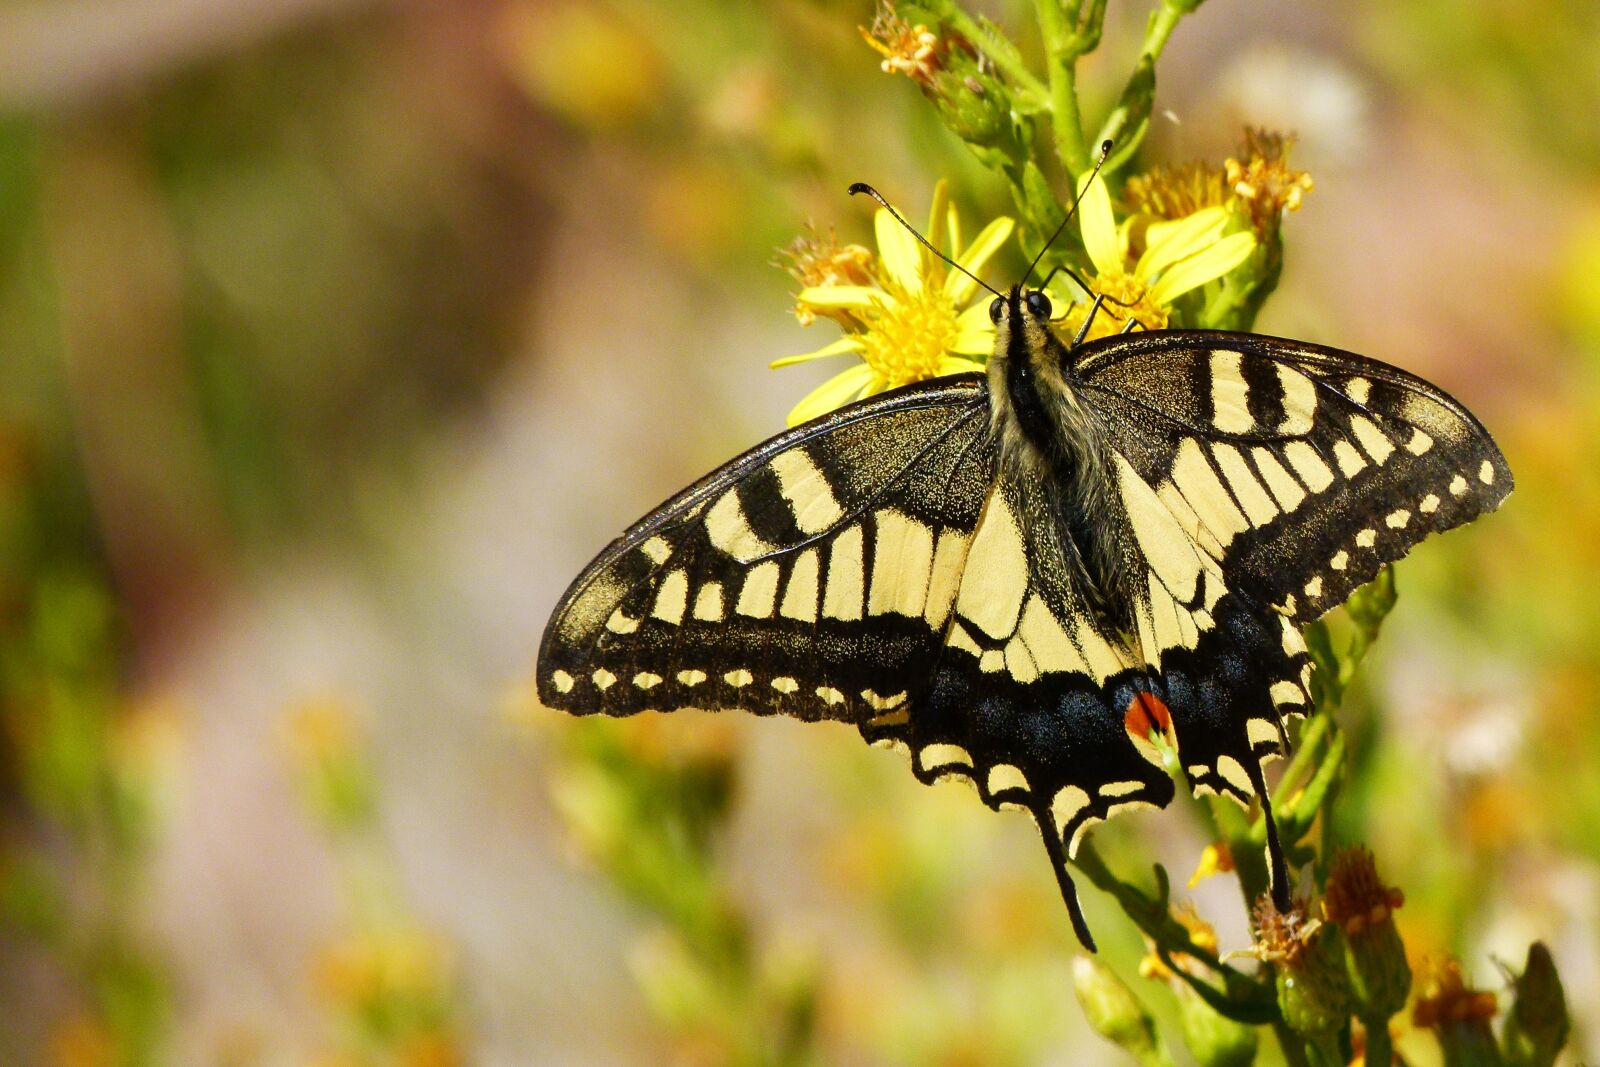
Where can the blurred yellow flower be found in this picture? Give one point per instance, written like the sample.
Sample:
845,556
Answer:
369,966
906,316
321,730
1178,257
84,1042
1216,859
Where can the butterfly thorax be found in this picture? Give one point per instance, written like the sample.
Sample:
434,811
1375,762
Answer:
1047,436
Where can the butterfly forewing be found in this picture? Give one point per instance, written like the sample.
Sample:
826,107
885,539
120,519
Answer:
1301,469
812,576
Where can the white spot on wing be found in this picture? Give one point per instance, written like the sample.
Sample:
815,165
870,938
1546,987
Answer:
1230,394
672,597
800,594
563,681
842,594
902,557
996,576
807,491
1458,485
603,679
708,602
1350,461
656,549
1258,506
1397,519
739,678
1486,473
1299,401
730,531
646,680
1366,538
938,755
1004,776
759,594
785,684
691,678
1308,465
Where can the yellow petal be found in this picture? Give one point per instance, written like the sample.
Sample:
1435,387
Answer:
936,215
835,392
957,365
953,230
1105,247
899,252
845,344
1168,242
1208,266
843,296
958,286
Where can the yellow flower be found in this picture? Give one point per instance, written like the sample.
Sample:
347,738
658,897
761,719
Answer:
908,318
1177,257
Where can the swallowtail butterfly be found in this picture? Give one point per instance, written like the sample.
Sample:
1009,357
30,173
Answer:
1021,577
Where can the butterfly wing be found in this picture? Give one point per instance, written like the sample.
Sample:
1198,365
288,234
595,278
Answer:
1264,481
1033,699
1302,469
811,576
876,567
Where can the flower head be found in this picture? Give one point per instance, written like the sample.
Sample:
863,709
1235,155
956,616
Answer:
915,51
1177,256
1174,192
905,313
1264,181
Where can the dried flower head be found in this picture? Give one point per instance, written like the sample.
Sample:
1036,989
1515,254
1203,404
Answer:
1356,899
915,51
816,261
1264,181
1281,936
1446,998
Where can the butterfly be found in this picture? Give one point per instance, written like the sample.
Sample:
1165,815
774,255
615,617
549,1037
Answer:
1035,577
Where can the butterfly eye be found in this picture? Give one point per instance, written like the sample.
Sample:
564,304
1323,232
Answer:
997,307
1039,304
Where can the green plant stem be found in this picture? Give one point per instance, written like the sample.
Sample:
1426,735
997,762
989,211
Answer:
1158,31
1062,49
1380,1051
1294,1054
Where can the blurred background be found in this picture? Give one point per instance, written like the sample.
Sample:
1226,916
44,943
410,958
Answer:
337,335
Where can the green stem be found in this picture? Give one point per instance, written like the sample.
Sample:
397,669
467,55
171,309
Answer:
1294,1054
1062,48
1162,22
1380,1051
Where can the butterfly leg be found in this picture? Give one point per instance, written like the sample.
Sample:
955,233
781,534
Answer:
1058,860
1277,868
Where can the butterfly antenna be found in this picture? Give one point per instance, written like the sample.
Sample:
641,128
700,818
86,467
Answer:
1105,153
863,187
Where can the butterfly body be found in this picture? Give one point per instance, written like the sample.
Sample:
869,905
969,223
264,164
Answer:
1026,577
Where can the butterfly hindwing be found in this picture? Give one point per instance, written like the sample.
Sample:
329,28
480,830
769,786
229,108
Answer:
1286,475
811,576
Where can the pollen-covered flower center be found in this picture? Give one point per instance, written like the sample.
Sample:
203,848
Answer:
1120,289
909,335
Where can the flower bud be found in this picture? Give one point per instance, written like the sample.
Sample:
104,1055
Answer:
1459,1016
1537,1025
1363,908
1114,1012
